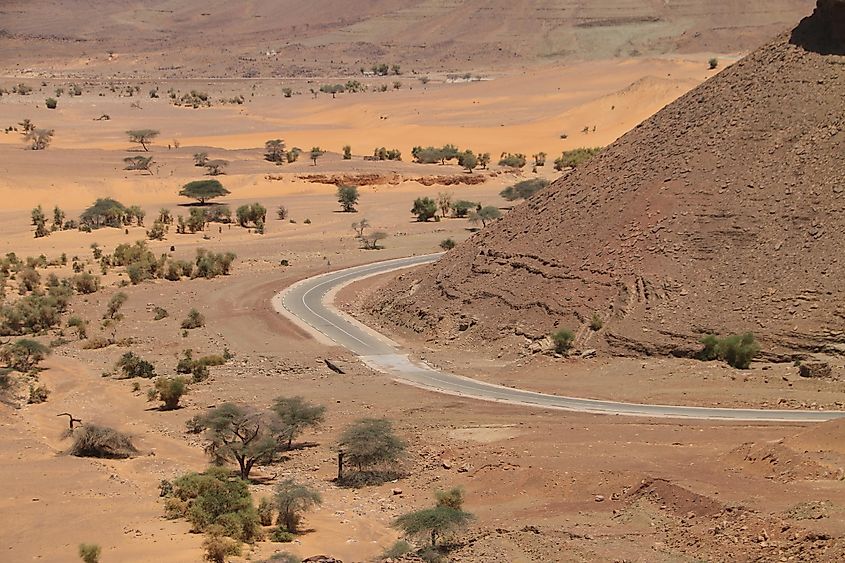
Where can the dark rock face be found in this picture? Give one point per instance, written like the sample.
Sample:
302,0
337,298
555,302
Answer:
824,30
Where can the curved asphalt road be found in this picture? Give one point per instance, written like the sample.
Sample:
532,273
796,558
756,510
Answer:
308,303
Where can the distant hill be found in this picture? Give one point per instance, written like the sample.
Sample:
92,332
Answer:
222,38
722,213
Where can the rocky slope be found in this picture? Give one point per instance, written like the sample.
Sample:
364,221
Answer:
722,213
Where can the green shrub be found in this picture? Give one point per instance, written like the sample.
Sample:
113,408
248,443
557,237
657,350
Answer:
347,197
282,536
80,324
736,350
713,63
397,550
595,322
575,157
85,283
210,264
195,319
447,244
160,313
169,390
214,498
424,208
517,160
37,394
266,512
292,500
133,365
524,189
89,552
461,208
51,103
217,547
563,340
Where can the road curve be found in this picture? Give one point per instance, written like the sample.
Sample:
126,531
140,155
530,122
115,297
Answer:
308,303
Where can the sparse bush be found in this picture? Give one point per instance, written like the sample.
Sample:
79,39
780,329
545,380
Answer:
158,231
169,390
89,552
80,324
347,152
132,365
195,319
282,212
39,139
461,208
255,214
37,394
347,197
595,322
85,283
713,63
160,313
424,208
266,512
24,354
282,536
28,279
218,547
51,103
292,500
447,244
103,442
517,160
736,350
575,157
563,340
397,550
211,499
39,221
524,189
211,264
34,313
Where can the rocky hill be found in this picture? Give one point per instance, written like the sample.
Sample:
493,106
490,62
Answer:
725,212
267,38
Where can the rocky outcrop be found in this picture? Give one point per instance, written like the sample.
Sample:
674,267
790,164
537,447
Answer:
725,212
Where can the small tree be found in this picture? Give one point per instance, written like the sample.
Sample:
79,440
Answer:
347,197
89,552
58,219
468,160
713,63
446,517
347,152
169,390
238,433
424,208
203,190
444,203
296,415
39,220
282,212
292,500
24,354
461,208
485,215
316,152
539,159
142,137
274,151
369,443
371,241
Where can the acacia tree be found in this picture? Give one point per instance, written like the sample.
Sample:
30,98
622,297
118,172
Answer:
142,137
485,215
369,443
296,415
468,160
24,354
444,202
347,197
203,190
446,516
138,163
242,434
39,221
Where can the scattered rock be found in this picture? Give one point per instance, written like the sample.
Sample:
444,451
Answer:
815,369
